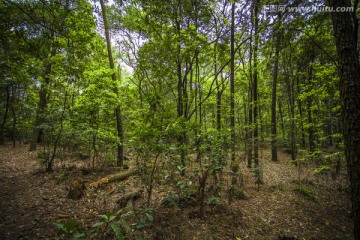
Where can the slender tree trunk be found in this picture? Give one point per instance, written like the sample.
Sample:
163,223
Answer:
2,130
218,90
232,80
273,99
311,129
43,95
119,126
293,126
249,121
255,96
180,91
234,164
291,93
281,113
249,129
13,111
345,33
303,143
49,167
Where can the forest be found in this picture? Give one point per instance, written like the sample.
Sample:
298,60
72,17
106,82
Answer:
179,119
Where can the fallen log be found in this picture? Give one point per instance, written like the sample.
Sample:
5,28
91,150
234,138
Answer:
112,178
131,196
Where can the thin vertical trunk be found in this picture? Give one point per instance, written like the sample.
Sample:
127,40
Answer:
218,91
119,127
198,109
234,165
293,126
273,99
311,129
49,167
43,95
290,90
249,120
249,129
232,80
255,87
281,113
2,130
13,130
180,90
303,143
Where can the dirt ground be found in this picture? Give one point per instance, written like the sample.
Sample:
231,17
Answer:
292,202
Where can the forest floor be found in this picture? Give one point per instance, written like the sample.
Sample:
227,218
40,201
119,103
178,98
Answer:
292,202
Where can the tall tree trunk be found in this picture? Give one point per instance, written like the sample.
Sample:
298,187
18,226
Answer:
13,111
345,33
180,89
43,95
291,97
249,120
303,143
218,90
281,113
249,128
234,164
273,99
232,83
293,126
255,96
311,129
119,126
2,130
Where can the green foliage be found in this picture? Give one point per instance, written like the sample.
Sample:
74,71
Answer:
147,220
107,226
213,201
279,186
111,224
322,170
44,158
305,190
237,192
70,230
316,157
169,200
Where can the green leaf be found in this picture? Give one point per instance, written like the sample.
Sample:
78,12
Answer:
118,232
125,224
70,225
129,213
112,217
149,216
104,216
98,224
79,236
61,228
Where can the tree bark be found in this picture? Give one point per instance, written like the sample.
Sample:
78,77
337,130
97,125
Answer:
309,102
119,126
303,143
273,99
232,80
43,95
345,34
2,130
255,87
114,177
